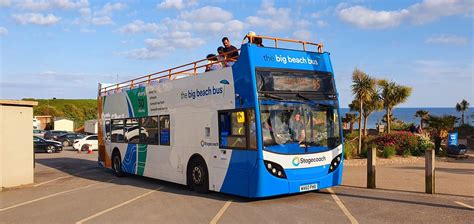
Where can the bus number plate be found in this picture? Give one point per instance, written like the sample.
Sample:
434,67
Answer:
308,187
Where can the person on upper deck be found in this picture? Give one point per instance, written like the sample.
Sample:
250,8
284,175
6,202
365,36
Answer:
232,57
220,56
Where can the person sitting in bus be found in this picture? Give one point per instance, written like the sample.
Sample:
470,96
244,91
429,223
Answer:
257,41
231,57
297,128
212,63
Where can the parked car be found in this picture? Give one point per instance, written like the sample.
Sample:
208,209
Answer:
52,135
80,144
39,133
68,139
43,145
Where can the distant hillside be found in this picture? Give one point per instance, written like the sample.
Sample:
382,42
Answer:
78,110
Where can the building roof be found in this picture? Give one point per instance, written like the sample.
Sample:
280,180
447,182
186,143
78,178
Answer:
18,103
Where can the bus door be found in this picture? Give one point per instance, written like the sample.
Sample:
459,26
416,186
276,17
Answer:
235,144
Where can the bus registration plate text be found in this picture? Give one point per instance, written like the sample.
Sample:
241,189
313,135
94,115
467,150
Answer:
308,187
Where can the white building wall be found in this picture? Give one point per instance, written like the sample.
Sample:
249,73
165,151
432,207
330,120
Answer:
64,125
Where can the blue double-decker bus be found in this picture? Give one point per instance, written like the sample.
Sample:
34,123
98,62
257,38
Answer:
265,123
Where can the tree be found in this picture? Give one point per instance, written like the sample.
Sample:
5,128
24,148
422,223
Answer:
462,107
370,106
350,119
423,115
392,94
439,128
362,88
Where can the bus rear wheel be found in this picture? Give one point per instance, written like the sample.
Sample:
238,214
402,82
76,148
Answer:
198,177
117,165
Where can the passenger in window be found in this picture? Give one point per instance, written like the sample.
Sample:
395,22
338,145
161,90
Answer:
297,128
212,63
231,57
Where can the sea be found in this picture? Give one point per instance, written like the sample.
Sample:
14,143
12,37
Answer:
408,115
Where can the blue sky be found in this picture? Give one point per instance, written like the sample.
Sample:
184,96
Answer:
63,48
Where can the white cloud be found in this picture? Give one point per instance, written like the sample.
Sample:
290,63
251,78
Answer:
103,20
304,35
420,13
367,18
36,18
160,47
108,8
5,3
3,31
138,26
177,4
41,5
272,18
206,14
86,30
447,39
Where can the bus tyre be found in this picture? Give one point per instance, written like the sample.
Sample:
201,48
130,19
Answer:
117,165
198,177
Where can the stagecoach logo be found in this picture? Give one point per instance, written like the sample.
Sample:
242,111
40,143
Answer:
296,161
203,143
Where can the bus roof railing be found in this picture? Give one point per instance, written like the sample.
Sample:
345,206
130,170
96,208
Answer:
251,37
190,69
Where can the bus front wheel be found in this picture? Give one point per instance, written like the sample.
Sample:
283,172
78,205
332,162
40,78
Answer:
117,164
198,177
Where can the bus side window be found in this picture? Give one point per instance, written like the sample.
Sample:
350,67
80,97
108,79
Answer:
117,131
252,129
132,130
232,129
165,134
149,130
107,130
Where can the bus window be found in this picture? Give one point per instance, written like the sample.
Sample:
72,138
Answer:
108,130
149,130
232,129
165,130
252,130
117,131
132,130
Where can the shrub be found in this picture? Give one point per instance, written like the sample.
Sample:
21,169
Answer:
363,153
406,153
401,141
424,143
349,149
389,152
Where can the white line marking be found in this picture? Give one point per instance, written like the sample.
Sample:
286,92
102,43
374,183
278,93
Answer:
49,196
117,206
465,205
59,178
220,213
343,208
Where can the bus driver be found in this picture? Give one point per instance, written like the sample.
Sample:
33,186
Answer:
297,128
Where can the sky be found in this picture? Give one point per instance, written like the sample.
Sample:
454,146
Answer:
64,48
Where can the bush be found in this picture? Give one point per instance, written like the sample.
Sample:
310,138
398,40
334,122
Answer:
363,153
349,149
389,152
406,153
424,143
401,141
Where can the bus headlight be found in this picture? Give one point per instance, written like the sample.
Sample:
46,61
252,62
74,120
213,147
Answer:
275,169
335,163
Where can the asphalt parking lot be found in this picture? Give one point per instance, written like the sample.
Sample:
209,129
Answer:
71,188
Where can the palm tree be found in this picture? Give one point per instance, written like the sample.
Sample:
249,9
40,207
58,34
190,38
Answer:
370,106
392,94
439,127
362,87
462,107
423,115
350,119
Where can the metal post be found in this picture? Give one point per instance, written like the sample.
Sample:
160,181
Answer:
371,156
430,171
